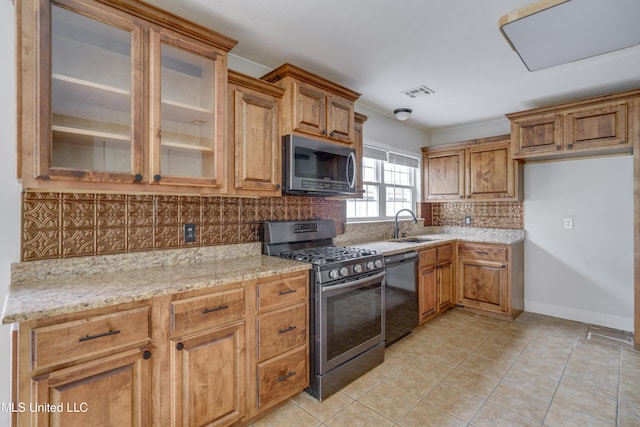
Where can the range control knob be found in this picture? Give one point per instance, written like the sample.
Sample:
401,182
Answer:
333,274
344,271
378,263
357,268
370,265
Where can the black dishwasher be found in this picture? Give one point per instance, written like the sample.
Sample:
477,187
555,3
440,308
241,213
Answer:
401,295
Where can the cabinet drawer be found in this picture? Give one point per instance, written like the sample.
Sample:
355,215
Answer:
205,311
69,341
483,251
428,257
282,377
445,253
282,330
284,290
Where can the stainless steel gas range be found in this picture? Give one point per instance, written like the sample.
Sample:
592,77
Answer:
347,316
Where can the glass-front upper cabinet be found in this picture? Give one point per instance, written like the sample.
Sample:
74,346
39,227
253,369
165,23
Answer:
119,96
94,95
186,122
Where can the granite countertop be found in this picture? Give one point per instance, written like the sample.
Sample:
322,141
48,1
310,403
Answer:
390,247
47,288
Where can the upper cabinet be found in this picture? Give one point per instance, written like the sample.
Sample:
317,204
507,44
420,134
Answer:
595,126
314,106
254,133
119,96
480,169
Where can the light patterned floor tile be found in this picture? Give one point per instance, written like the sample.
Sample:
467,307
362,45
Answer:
491,415
563,416
454,402
389,401
357,415
426,415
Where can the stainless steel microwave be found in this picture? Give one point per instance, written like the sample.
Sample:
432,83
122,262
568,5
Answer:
317,167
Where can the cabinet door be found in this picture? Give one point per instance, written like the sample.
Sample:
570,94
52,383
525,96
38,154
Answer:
427,292
445,286
256,142
208,377
483,285
187,96
490,172
340,116
534,135
358,146
444,175
92,131
594,127
111,391
309,109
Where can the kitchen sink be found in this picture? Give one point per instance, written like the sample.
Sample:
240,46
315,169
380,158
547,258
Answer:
416,239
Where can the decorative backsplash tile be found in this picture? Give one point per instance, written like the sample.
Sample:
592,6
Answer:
508,215
63,225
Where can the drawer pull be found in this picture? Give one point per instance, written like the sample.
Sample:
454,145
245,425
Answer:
282,331
218,308
284,377
482,252
290,291
93,337
146,355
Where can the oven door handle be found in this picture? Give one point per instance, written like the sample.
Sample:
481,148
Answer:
354,283
351,179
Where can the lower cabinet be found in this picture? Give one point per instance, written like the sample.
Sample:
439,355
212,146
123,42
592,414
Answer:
491,278
208,377
435,287
215,357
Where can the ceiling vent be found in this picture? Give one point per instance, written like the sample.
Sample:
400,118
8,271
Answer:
417,91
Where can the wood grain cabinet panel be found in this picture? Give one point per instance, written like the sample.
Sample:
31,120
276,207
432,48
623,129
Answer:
208,371
111,391
480,169
281,330
594,126
283,291
202,312
282,377
435,281
68,341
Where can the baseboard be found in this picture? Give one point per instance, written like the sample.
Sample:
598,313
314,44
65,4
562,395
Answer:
590,317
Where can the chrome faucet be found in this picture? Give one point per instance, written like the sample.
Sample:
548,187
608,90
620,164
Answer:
397,227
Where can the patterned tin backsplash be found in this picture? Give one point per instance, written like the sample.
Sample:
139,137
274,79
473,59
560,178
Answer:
483,214
62,225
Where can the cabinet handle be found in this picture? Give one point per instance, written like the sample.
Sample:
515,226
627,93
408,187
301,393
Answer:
146,355
284,377
179,346
282,331
157,178
570,146
218,308
558,147
461,196
137,177
332,134
277,186
290,291
93,337
482,252
324,131
504,265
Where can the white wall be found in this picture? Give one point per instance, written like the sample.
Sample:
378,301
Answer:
10,189
584,274
465,133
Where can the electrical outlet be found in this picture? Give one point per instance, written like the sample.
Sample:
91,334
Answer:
568,223
467,220
189,233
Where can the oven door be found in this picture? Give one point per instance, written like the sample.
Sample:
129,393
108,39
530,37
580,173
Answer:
351,319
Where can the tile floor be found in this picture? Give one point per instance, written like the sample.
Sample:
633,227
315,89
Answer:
463,369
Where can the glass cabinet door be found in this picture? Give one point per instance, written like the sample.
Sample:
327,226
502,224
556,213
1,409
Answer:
186,112
94,91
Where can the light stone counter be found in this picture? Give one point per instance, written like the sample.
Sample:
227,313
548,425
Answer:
46,288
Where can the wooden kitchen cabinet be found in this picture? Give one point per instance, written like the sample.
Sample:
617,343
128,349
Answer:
594,126
358,146
314,106
281,362
254,114
94,367
119,96
490,277
480,169
435,281
208,357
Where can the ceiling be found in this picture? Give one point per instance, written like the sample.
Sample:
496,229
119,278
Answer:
380,48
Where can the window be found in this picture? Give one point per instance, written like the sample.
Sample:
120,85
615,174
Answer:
390,184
